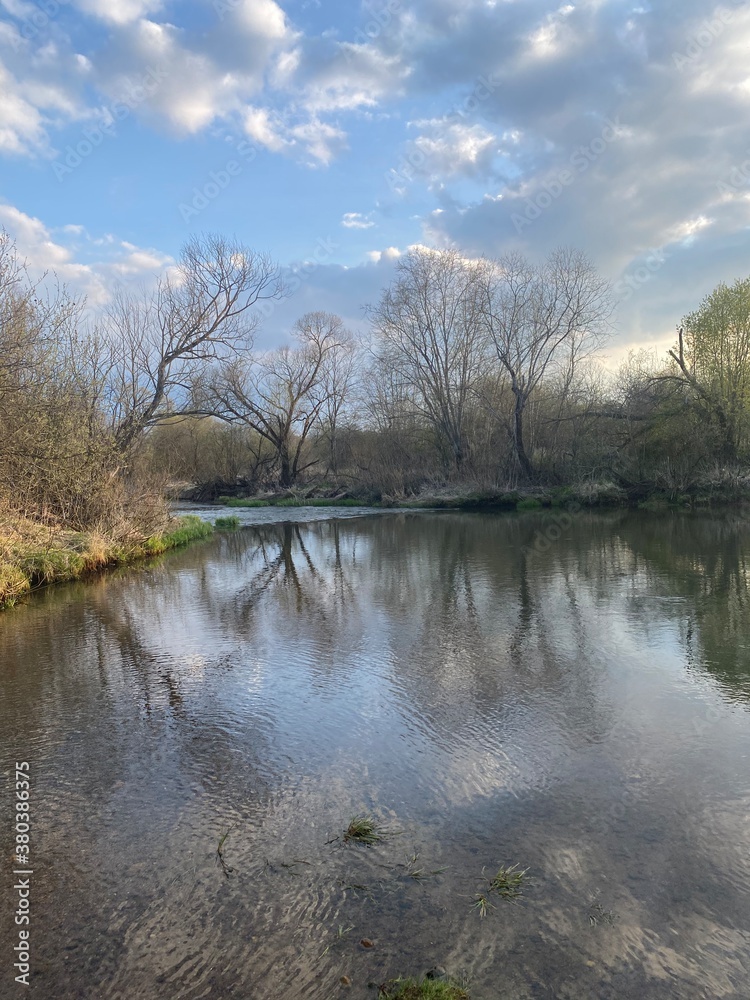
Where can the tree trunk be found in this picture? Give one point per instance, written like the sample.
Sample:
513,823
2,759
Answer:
523,458
287,475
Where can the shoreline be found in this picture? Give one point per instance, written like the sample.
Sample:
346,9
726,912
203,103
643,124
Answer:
39,556
36,556
586,497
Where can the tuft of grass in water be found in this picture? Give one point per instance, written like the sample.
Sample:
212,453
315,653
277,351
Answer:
341,934
482,904
598,915
358,888
230,523
422,989
508,882
419,873
364,830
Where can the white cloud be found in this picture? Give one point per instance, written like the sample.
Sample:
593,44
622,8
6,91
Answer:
43,254
265,129
118,12
112,260
22,130
448,148
355,220
202,76
390,254
321,141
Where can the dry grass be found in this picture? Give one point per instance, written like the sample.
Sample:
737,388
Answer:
35,552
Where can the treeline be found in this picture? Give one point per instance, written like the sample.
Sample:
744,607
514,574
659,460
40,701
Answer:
481,375
475,374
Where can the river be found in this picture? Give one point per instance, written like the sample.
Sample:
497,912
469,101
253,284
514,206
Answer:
568,694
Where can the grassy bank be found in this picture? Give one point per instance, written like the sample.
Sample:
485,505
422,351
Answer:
33,555
587,495
293,501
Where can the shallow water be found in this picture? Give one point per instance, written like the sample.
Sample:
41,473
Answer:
492,693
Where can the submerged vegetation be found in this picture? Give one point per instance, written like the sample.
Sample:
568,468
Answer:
423,989
508,882
435,984
364,829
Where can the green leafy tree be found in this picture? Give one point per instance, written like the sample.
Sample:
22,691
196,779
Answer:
712,358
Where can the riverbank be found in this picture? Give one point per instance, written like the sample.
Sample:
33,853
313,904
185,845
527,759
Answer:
33,555
588,495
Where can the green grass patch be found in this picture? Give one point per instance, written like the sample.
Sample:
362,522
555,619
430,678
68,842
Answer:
508,882
363,829
230,523
36,557
49,565
327,502
189,529
423,989
529,503
240,502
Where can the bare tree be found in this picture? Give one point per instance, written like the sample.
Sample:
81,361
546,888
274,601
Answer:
542,320
281,393
340,381
157,346
431,338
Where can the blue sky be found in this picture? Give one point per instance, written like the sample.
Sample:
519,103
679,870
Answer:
343,133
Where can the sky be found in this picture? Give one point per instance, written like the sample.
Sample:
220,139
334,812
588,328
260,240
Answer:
335,135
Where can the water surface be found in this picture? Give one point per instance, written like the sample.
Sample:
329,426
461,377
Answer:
493,693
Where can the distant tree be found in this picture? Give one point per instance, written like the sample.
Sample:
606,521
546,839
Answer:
281,394
542,321
340,378
430,339
156,347
712,359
